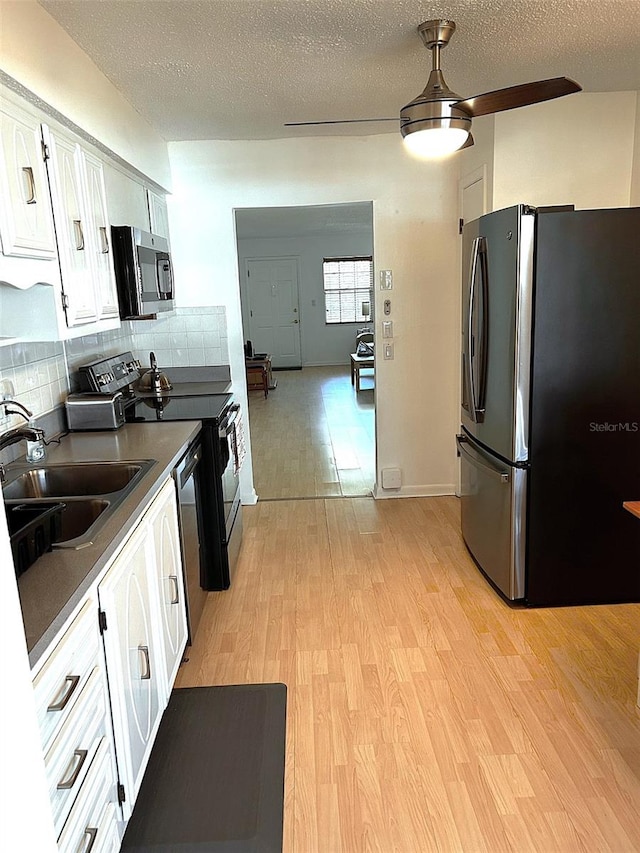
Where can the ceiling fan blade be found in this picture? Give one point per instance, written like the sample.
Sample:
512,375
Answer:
518,96
339,121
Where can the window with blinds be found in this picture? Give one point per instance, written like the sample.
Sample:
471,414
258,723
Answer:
348,283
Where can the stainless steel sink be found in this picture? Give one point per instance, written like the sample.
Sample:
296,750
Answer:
90,491
84,478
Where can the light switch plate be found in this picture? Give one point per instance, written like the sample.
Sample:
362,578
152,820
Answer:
387,328
388,351
386,279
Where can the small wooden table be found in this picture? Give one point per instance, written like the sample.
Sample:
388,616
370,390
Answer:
633,507
259,374
358,363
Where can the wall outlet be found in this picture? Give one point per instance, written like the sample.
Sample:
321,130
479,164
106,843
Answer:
387,328
386,279
388,351
391,478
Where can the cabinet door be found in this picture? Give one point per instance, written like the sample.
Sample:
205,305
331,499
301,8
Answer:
99,243
163,518
158,216
134,668
65,170
26,224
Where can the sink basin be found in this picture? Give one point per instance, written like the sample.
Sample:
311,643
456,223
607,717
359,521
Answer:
78,479
88,493
78,518
37,527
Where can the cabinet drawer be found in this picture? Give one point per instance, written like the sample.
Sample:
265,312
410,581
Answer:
60,682
92,825
72,751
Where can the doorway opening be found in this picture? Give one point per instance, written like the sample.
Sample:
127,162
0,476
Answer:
312,432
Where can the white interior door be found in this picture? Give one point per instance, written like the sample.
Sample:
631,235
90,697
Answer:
273,309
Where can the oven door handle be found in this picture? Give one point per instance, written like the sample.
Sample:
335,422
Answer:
228,425
189,468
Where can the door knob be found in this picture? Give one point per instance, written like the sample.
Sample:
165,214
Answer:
295,321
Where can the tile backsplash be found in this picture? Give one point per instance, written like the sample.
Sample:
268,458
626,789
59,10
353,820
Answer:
42,374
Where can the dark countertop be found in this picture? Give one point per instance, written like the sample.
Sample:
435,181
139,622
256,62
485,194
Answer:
51,588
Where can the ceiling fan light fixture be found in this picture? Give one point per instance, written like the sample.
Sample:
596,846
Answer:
435,142
431,126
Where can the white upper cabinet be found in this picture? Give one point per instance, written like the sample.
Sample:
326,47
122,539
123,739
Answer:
104,280
66,180
84,240
158,216
26,225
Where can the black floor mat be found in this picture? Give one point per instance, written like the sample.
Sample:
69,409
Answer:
215,779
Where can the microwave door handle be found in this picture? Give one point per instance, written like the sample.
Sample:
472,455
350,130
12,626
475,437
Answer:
475,254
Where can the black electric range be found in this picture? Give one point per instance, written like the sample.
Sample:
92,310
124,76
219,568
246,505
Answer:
196,394
177,405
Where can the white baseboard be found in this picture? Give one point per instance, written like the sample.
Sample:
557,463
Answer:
431,491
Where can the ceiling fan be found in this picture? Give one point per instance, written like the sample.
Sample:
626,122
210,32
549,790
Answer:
438,121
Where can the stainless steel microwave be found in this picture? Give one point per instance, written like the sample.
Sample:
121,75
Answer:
144,274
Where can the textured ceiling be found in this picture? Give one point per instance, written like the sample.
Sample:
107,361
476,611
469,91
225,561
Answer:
240,69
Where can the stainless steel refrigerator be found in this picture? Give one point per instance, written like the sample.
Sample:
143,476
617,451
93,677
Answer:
550,435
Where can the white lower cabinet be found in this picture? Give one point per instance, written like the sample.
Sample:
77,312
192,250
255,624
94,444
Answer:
92,824
70,689
143,643
98,723
133,659
163,520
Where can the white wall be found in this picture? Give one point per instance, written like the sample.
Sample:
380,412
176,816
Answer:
39,54
575,150
415,235
320,343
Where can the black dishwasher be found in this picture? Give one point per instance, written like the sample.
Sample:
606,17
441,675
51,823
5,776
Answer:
191,525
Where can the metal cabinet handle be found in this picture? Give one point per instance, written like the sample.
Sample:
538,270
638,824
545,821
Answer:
30,185
91,832
81,755
145,675
104,240
77,227
73,681
176,595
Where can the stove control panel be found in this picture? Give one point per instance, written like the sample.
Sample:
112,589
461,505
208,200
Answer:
109,374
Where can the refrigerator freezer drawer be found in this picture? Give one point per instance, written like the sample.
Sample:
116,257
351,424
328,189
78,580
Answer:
493,504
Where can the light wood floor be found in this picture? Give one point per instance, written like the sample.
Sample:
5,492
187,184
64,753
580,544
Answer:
313,436
424,714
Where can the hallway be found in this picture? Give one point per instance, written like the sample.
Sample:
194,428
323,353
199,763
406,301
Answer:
313,436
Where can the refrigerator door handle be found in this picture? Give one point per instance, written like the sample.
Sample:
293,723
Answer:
473,352
481,353
476,461
469,348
